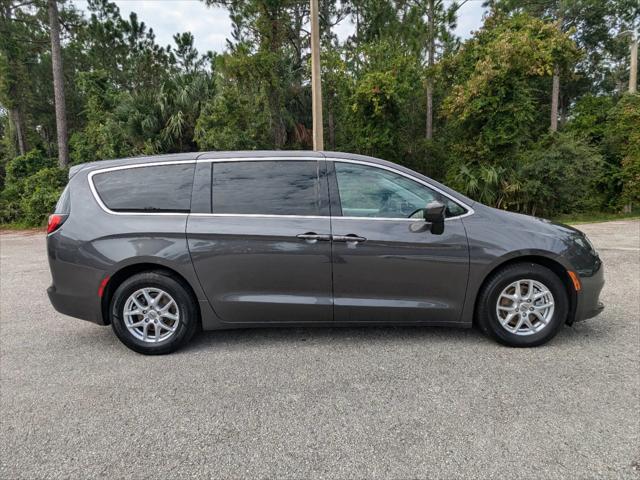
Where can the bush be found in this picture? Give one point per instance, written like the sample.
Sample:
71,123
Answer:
558,175
41,193
233,121
33,185
26,165
623,142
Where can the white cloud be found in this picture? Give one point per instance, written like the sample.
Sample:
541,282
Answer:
470,18
211,26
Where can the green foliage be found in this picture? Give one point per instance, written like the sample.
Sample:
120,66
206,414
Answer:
494,105
623,141
382,117
554,176
127,95
376,110
557,175
611,125
497,120
234,121
32,187
239,117
482,182
41,192
589,117
24,166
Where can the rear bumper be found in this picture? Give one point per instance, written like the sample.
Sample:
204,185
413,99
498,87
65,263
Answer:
74,306
589,304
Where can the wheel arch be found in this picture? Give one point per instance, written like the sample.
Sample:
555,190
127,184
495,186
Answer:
561,271
119,276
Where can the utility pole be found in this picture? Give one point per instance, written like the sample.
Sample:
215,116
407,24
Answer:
316,86
555,86
633,72
431,54
58,84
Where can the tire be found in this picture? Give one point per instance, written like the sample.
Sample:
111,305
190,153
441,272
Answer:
175,322
496,320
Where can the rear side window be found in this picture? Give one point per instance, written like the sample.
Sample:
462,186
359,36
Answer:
287,187
64,202
162,188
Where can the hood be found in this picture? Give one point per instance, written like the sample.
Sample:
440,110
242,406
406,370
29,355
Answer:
531,223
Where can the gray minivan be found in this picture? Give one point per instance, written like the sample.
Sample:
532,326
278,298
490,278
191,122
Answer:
161,246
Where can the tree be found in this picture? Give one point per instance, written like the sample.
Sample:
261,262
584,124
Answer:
266,29
58,84
13,71
440,22
487,107
493,110
595,27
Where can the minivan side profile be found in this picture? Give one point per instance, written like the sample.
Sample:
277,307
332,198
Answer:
161,246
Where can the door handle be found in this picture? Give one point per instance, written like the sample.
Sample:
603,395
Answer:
350,238
313,237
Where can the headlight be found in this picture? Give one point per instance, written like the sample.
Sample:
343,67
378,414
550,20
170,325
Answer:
584,242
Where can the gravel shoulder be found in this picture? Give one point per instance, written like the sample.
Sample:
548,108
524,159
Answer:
319,403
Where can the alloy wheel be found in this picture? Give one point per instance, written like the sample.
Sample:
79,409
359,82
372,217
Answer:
525,307
151,315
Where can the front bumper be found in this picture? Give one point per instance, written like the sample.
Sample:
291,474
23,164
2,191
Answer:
588,300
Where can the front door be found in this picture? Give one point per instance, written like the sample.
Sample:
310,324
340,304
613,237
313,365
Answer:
263,253
388,267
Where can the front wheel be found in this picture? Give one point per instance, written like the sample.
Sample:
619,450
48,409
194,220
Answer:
153,313
522,305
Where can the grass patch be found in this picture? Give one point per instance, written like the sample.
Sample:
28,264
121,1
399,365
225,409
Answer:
14,226
596,217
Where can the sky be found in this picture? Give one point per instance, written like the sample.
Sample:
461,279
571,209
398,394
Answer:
211,25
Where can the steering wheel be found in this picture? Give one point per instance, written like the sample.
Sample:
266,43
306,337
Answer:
415,211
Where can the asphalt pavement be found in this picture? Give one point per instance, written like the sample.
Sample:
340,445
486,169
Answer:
393,403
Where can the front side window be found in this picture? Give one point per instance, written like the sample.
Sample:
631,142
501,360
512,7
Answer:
286,187
157,188
367,191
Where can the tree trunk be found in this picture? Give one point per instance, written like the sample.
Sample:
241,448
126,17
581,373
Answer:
331,122
564,108
555,87
633,70
15,98
431,52
58,84
429,133
555,94
15,115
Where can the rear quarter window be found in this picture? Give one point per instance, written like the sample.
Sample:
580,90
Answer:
157,188
64,202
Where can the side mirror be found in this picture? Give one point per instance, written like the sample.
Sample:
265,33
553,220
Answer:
434,213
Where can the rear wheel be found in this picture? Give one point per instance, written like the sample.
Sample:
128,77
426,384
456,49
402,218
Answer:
522,305
153,313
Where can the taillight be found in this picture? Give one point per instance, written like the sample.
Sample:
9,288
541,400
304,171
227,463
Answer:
55,222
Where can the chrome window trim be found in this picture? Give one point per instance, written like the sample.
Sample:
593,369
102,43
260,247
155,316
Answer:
256,215
257,159
106,209
102,205
96,196
469,211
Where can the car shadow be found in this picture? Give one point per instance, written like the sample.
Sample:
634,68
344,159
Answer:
372,335
341,336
